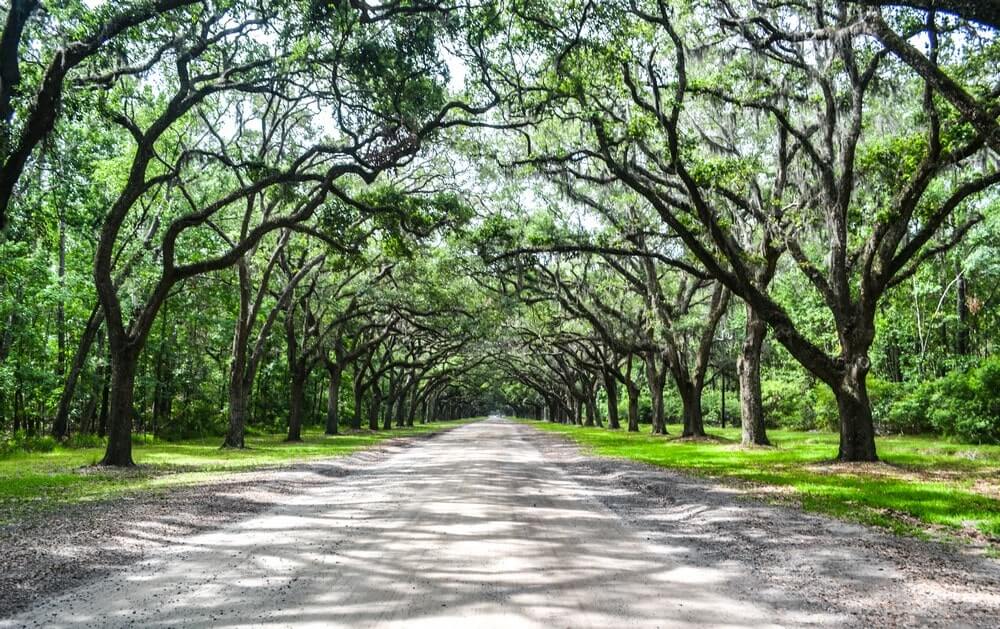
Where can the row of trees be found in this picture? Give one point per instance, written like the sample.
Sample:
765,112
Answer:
205,203
846,144
159,144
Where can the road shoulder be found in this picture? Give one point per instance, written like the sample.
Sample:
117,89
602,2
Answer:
794,561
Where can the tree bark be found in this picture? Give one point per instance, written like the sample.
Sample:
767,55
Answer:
748,370
239,402
857,430
411,406
633,407
694,419
296,406
333,399
656,381
390,409
10,72
401,407
591,409
986,12
124,364
358,397
376,406
44,108
239,386
61,423
611,389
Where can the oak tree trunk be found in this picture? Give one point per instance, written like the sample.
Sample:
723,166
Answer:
401,408
390,409
332,401
358,400
748,370
633,408
297,398
376,406
655,379
124,364
857,429
694,420
60,425
611,389
239,403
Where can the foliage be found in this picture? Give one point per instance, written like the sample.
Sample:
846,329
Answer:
964,404
600,197
20,442
788,404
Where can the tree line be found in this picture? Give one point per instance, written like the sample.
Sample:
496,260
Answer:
220,214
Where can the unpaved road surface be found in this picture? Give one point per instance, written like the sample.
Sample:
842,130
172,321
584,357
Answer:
497,525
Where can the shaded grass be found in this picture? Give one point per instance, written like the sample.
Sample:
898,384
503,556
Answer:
32,482
924,486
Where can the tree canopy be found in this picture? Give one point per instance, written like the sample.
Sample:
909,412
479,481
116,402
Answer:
219,216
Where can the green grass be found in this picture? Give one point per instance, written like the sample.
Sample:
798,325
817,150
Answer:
925,486
34,482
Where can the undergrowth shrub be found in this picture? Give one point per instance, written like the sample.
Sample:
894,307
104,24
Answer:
711,407
966,404
143,438
787,404
884,395
85,441
825,411
21,442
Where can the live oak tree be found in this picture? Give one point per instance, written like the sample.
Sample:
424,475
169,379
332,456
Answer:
813,181
29,106
855,223
212,65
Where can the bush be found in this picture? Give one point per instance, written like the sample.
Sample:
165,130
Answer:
85,441
884,395
645,410
711,407
966,404
787,404
825,408
143,438
21,442
909,413
673,408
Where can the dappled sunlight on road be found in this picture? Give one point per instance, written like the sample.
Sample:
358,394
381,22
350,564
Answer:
473,528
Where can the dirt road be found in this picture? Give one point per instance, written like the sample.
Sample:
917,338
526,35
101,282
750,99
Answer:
494,524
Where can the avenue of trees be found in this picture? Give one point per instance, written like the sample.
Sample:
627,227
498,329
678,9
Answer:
230,216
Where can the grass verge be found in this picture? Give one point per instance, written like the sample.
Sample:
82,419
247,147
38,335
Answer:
33,482
924,486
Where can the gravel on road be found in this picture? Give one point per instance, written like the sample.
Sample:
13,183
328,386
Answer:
490,524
